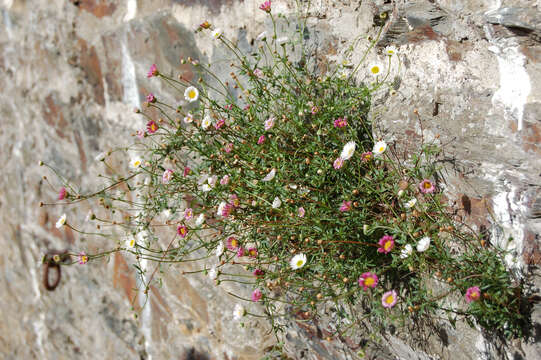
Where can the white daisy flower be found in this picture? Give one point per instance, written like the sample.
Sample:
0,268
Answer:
276,203
406,251
282,40
220,249
262,36
217,33
390,50
200,220
348,150
238,312
343,75
375,69
61,221
206,122
423,244
100,156
411,203
213,274
205,188
188,118
136,162
221,208
131,242
191,94
212,180
297,261
379,148
270,175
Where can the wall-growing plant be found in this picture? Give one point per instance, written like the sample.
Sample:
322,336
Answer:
273,176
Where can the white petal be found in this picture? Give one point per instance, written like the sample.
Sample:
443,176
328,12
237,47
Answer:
276,203
270,175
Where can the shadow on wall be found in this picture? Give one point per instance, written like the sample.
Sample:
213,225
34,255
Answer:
193,354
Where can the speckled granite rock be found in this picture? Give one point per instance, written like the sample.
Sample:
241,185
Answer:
72,73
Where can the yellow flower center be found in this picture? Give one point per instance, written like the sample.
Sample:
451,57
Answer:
427,185
84,259
299,263
191,94
389,300
369,281
381,149
132,242
136,163
387,245
234,243
474,295
375,70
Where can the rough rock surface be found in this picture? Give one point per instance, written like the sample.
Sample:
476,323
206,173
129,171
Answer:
72,73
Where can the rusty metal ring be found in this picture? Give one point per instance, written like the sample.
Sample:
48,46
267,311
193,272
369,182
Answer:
46,283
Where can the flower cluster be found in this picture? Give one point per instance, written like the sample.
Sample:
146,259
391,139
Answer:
276,169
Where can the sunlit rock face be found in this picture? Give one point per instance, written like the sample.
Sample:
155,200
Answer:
73,71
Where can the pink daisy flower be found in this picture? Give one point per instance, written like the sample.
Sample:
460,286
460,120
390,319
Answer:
228,148
224,180
389,299
151,98
426,187
252,252
301,212
256,295
368,280
182,231
188,214
386,244
187,171
152,127
315,110
83,258
167,176
258,73
261,140
338,163
232,243
240,251
269,123
234,200
226,211
346,206
473,294
140,134
367,156
220,124
258,272
62,193
153,71
340,122
266,6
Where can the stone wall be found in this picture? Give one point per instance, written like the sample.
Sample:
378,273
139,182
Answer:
74,70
